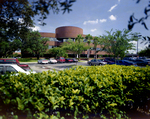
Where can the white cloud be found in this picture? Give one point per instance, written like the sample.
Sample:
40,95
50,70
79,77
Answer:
112,17
91,22
118,0
112,8
134,42
93,30
36,28
103,20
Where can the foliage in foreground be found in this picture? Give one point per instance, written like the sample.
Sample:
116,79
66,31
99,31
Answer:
80,91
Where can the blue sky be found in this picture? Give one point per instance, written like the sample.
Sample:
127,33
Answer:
97,16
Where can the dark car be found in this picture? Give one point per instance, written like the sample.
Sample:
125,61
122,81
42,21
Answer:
68,60
109,61
96,62
141,62
125,62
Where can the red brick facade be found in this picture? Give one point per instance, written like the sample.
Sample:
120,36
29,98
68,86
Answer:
66,32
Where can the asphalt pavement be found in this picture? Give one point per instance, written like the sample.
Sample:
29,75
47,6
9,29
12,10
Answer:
59,66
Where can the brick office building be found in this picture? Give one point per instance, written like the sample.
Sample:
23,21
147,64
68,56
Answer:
62,34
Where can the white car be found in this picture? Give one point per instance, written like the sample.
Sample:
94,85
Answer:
43,61
96,62
52,60
8,68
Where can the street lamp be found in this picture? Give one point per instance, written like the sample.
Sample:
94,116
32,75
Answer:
137,43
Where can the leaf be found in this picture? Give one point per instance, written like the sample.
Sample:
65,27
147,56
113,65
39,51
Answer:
20,105
144,38
138,1
130,26
113,104
143,23
72,1
131,18
141,19
145,11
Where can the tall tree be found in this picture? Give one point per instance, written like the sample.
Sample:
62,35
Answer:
7,48
16,16
35,44
58,52
96,42
145,52
88,40
118,42
76,47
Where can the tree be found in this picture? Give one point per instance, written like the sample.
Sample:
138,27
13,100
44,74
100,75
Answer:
88,40
96,41
118,42
7,48
58,52
35,44
133,20
76,47
16,16
145,52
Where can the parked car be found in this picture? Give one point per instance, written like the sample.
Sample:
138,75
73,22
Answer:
8,68
75,60
68,60
141,62
147,60
129,58
60,59
52,61
13,61
125,62
96,62
109,61
43,61
27,68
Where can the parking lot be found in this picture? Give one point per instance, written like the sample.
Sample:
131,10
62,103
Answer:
59,66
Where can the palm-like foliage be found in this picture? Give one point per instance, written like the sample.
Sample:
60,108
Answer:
96,41
118,42
76,47
88,40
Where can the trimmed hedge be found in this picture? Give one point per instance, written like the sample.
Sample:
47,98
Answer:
105,91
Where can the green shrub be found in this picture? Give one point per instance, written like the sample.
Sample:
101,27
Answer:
16,55
80,91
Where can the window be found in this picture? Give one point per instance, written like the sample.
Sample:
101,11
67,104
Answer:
10,69
1,60
49,47
10,60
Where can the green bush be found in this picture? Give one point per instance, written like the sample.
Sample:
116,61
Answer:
27,59
80,91
16,55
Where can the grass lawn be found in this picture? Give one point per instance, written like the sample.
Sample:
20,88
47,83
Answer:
27,60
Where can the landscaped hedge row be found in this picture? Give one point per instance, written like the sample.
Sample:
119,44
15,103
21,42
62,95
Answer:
80,91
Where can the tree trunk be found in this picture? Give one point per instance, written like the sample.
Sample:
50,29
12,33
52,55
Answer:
95,55
88,54
38,56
